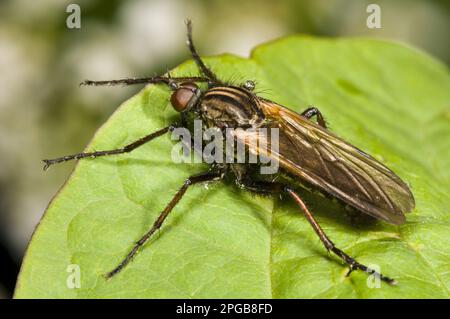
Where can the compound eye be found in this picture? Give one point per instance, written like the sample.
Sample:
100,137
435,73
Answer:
182,96
249,85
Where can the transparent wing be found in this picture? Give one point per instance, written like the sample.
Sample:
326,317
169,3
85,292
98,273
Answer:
319,157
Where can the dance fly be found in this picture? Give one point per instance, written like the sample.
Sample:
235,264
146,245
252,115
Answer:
307,152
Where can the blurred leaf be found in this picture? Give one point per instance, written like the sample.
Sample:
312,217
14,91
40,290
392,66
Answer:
389,100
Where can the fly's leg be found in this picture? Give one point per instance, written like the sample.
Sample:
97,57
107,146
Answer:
172,82
168,80
260,187
311,111
203,68
329,245
265,188
195,179
125,149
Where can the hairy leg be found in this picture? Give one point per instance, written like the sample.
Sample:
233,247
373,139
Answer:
265,188
329,245
203,68
168,80
125,149
195,179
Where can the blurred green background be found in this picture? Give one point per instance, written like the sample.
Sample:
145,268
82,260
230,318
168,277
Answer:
45,114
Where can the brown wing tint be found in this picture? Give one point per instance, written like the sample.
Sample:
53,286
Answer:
324,160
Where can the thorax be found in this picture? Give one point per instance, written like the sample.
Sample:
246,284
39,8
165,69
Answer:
230,107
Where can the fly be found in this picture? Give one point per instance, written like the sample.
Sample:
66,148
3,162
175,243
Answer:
307,153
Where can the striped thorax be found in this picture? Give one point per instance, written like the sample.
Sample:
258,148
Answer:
231,106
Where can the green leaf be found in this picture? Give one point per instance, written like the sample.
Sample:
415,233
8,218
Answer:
387,99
